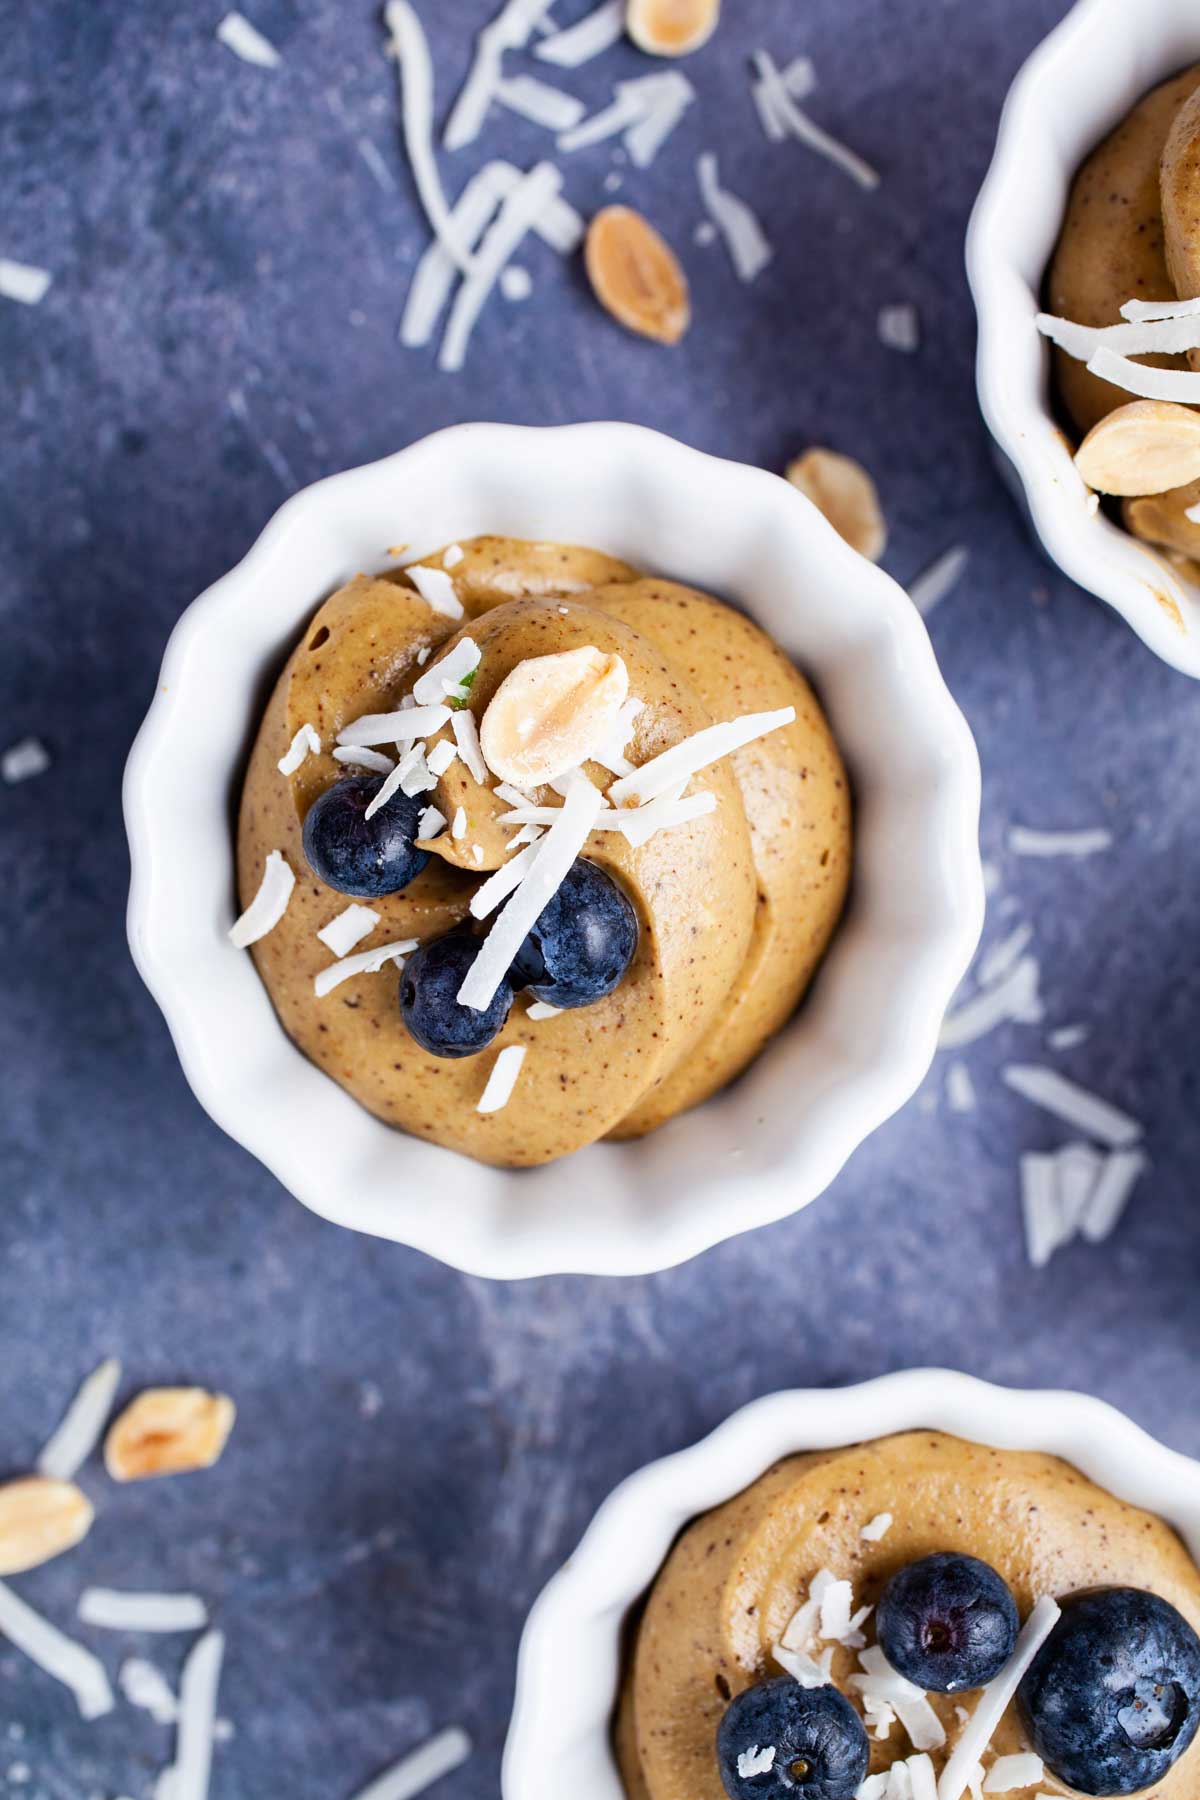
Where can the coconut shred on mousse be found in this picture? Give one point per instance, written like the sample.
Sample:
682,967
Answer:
916,1618
535,850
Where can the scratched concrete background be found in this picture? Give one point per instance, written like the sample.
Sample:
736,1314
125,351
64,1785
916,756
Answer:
416,1451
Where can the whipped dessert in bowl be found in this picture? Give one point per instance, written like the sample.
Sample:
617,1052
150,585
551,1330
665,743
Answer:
607,578
598,820
1084,232
995,1602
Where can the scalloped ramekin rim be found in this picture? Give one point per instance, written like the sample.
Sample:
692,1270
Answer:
1106,55
569,1661
333,1155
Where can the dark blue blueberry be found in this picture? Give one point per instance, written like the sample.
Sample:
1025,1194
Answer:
948,1622
582,943
820,1743
357,855
429,998
1112,1698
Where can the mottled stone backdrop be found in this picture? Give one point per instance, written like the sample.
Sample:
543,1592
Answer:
416,1451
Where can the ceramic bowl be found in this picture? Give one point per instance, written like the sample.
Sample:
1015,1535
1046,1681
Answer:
569,1665
1075,87
863,1040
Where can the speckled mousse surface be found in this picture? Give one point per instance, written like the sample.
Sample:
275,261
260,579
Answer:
417,1451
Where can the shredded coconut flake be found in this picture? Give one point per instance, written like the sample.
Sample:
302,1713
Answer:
511,29
473,212
459,827
463,660
744,237
936,582
1015,1000
268,905
883,1683
82,1424
596,32
994,1700
1192,513
515,284
240,36
23,282
518,213
1068,1037
367,962
1166,337
109,1610
452,556
1159,309
756,1762
197,1719
499,886
809,1671
305,743
542,1009
807,131
363,758
1008,1773
1024,842
411,49
960,1089
1119,1175
350,927
502,1080
683,760
900,327
435,586
448,1751
540,103
56,1654
552,859
385,728
431,824
1147,383
466,736
877,1529
1044,1229
144,1687
1054,1093
23,760
1004,956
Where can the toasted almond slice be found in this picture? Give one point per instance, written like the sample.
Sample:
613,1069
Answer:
39,1519
550,713
671,27
168,1431
636,275
845,493
1145,447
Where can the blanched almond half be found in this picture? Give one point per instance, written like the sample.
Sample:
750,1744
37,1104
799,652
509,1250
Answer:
550,713
671,27
39,1519
168,1431
1143,448
845,493
636,275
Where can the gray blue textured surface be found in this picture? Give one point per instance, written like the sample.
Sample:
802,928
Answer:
228,275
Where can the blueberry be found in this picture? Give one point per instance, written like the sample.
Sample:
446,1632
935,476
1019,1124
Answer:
582,943
948,1622
820,1743
357,855
1112,1699
429,998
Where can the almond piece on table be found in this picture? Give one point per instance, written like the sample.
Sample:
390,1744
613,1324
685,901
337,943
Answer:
841,489
168,1431
550,714
671,27
39,1519
1146,447
636,275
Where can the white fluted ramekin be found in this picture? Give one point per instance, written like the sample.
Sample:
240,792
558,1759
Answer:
569,1665
865,1037
1075,87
